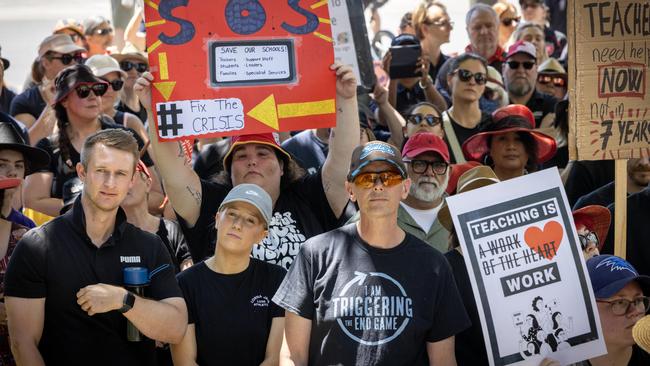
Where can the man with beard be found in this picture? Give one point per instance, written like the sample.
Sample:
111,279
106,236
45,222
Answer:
638,178
520,76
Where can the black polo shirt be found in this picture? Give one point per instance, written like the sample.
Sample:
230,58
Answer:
56,260
541,104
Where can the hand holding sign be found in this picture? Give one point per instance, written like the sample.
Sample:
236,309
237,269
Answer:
142,89
346,82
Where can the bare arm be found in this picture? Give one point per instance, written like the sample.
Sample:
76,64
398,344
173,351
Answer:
184,353
343,139
427,84
295,345
26,318
273,344
164,320
390,116
442,353
43,126
182,184
27,119
38,188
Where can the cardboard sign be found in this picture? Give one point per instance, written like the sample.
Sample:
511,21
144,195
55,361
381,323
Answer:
609,55
231,67
527,271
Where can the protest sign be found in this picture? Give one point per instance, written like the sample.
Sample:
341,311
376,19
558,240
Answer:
231,67
528,275
609,59
350,37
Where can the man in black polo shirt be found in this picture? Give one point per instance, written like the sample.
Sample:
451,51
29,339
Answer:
520,77
65,304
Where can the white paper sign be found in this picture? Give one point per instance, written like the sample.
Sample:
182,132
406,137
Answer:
527,271
206,116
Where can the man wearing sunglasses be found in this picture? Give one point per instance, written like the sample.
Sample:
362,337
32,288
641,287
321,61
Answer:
32,107
358,294
552,78
520,77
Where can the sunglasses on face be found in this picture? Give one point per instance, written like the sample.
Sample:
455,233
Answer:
441,23
421,166
388,179
466,75
510,21
103,31
67,58
557,81
116,84
515,64
430,119
589,238
139,66
83,90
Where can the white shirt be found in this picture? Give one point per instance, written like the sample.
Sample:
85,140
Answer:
424,218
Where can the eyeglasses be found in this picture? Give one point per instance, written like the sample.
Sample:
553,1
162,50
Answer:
441,23
421,166
589,238
515,64
388,179
116,84
557,81
67,58
622,306
430,119
103,31
83,90
139,66
466,75
510,21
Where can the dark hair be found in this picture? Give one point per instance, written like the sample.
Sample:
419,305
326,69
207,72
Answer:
412,108
63,141
535,300
115,138
530,145
556,324
452,240
468,56
535,322
290,169
405,21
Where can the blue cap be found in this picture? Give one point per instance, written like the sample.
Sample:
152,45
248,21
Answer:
609,274
135,276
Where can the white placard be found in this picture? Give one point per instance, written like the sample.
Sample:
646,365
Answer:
206,116
342,36
527,271
251,62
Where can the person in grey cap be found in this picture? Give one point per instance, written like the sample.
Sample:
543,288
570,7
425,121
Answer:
370,293
99,35
231,318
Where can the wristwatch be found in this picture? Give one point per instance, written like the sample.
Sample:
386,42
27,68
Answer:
127,302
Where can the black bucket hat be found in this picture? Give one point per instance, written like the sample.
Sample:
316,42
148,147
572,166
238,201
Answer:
72,76
10,139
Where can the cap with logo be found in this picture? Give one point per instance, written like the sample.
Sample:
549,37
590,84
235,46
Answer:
61,43
609,274
253,194
375,151
522,47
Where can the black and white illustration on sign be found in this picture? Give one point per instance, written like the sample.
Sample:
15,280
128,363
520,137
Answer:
527,271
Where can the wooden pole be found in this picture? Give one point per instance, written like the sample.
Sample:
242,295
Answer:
620,204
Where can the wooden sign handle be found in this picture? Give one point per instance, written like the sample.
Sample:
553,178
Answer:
620,214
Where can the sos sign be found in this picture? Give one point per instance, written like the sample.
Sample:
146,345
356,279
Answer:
231,67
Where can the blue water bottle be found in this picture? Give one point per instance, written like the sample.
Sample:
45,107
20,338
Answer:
135,280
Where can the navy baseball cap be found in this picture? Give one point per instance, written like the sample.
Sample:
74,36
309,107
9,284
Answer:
609,274
375,151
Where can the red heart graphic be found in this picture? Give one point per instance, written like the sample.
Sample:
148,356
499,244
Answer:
545,242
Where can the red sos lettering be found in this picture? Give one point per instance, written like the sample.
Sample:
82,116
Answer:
243,17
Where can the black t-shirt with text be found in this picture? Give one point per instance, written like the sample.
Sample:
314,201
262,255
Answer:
371,306
301,211
232,314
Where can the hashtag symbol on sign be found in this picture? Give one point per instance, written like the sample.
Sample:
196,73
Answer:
163,113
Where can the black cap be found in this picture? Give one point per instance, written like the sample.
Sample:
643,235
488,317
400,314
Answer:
10,139
71,76
71,190
375,151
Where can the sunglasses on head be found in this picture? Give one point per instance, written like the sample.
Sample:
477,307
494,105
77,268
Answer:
83,90
67,58
103,31
139,66
589,238
515,64
466,75
388,179
556,80
430,119
510,21
116,84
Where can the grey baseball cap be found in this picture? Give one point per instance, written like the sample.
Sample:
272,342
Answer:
253,194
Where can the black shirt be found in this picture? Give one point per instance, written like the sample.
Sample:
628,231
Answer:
56,260
587,176
232,314
172,236
371,306
142,113
603,196
301,211
30,101
308,150
5,99
541,104
63,172
210,160
462,133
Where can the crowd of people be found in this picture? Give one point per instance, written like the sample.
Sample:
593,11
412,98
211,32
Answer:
314,247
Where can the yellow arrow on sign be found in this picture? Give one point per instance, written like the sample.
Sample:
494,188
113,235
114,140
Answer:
268,112
164,87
